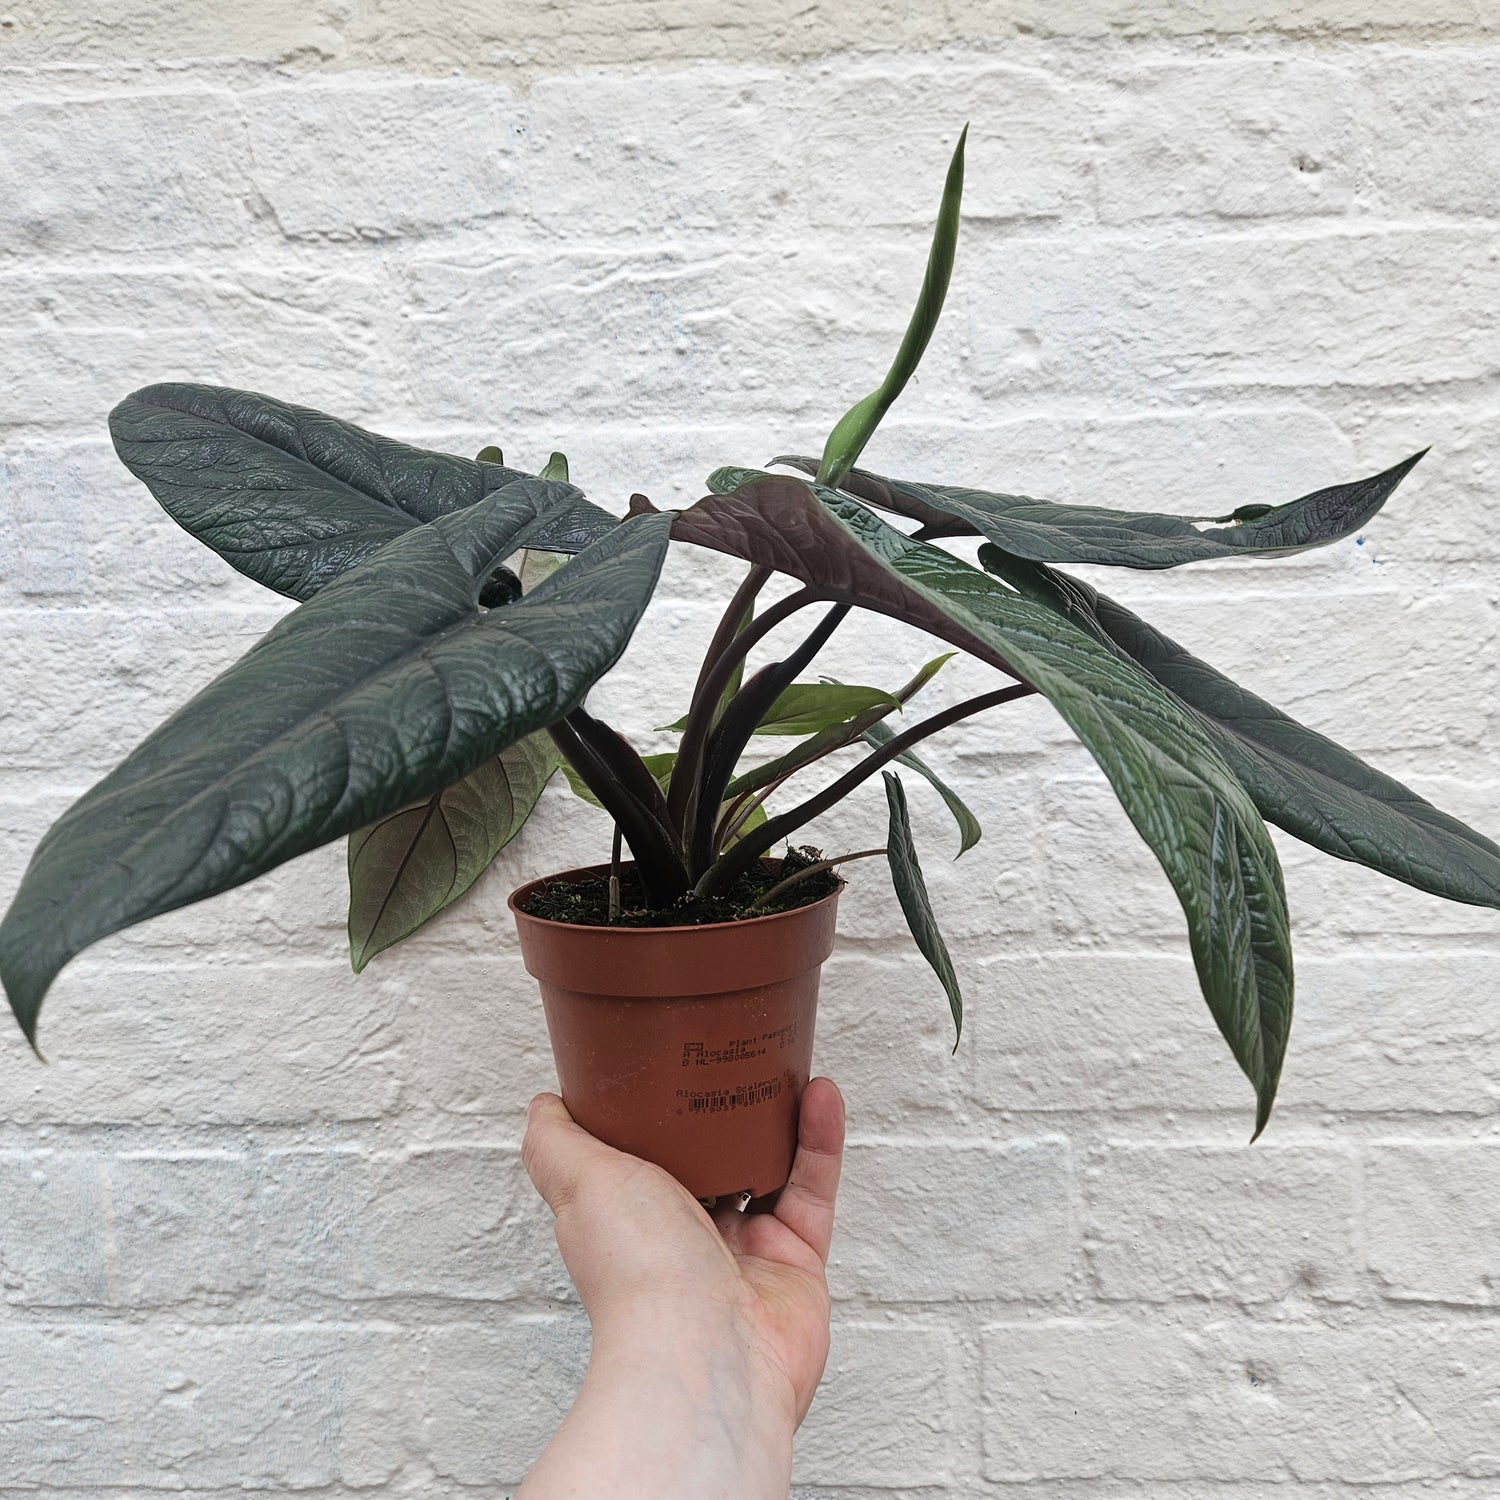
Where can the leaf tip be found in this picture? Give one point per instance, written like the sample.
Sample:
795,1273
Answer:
25,997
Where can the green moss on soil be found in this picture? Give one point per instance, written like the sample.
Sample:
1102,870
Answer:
586,902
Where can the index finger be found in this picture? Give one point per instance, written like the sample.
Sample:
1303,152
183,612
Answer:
806,1202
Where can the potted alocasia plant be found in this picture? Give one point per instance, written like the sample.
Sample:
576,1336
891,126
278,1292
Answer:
452,617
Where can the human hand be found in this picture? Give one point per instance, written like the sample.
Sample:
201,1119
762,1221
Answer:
721,1320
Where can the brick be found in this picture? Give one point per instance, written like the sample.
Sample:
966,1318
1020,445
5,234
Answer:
1027,155
484,1047
325,165
1231,140
493,1397
1431,1223
144,668
1373,1032
295,1407
461,1223
1397,1034
1104,887
280,1044
1449,528
884,1413
1098,1032
116,174
102,333
79,528
956,1221
885,1036
1228,1225
184,1227
1431,126
1269,311
157,1229
1117,1401
53,1240
538,40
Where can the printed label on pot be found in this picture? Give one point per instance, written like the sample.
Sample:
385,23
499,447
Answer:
741,1049
717,1101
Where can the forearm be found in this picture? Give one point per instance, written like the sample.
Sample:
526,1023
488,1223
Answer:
662,1418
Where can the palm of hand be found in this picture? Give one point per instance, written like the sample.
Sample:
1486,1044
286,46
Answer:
789,1312
642,1251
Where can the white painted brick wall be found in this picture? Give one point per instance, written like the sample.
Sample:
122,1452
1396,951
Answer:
263,1224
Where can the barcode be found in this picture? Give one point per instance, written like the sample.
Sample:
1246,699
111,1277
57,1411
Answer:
716,1101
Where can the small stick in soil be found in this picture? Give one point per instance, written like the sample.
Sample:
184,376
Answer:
613,914
802,874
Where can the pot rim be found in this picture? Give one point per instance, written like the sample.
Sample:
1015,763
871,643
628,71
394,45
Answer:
739,924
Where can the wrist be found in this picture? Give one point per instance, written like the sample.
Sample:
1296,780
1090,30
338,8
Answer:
673,1407
696,1351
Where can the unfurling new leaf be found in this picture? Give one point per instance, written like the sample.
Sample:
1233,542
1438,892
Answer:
855,428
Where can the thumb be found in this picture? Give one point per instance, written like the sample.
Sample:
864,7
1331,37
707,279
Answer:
556,1151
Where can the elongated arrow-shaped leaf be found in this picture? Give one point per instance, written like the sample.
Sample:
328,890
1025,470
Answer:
388,685
1299,779
408,867
291,497
916,904
1045,532
1165,767
855,428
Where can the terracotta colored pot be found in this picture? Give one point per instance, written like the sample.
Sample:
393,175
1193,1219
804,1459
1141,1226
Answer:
689,1046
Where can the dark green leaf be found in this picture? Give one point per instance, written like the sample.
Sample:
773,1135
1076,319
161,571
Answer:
1165,767
911,892
1045,532
291,497
969,831
1299,779
406,868
387,686
854,429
